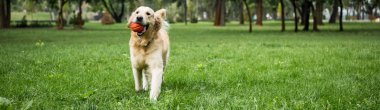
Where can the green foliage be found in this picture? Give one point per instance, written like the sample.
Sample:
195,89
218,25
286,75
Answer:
172,13
209,68
279,9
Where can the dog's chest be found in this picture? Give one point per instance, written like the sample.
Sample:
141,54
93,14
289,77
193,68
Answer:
140,57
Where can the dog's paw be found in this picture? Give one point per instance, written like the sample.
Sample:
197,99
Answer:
154,95
146,87
139,90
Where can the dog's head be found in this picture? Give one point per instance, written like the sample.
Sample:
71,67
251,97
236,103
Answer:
148,18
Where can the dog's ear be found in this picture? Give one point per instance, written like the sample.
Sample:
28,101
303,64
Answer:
157,23
159,17
160,13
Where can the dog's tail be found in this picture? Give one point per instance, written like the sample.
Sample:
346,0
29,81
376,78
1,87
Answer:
162,15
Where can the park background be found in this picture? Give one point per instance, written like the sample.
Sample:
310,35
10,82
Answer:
225,54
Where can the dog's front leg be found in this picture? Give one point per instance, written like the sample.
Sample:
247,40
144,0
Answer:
137,73
146,79
155,89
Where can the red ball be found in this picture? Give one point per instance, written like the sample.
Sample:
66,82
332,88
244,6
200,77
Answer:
136,27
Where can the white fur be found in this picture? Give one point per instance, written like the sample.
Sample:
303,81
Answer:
149,52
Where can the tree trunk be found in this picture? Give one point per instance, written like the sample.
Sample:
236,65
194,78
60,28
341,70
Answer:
319,12
295,15
353,13
219,13
358,7
2,14
241,10
363,14
301,11
7,23
274,14
79,21
60,21
249,14
259,13
223,17
341,16
5,13
306,14
315,21
334,12
185,6
117,17
282,16
371,15
121,14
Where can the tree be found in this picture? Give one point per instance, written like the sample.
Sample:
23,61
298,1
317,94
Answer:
271,6
5,13
377,2
249,14
295,15
341,16
79,21
334,12
31,7
319,11
241,10
315,21
184,4
282,16
371,5
306,14
53,6
259,12
219,13
185,7
60,21
297,6
117,15
359,4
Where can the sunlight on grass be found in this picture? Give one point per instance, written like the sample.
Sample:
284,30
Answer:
209,68
30,16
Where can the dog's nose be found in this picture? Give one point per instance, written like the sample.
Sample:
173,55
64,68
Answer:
139,18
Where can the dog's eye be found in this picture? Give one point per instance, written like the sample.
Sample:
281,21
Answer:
137,12
147,13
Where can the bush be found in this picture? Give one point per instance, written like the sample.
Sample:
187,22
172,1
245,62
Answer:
107,19
194,20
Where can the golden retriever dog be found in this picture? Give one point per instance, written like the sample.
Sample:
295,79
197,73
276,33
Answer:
149,49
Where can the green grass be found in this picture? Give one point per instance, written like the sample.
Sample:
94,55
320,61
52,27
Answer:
30,16
209,68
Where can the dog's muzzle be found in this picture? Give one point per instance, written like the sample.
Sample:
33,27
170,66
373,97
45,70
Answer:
145,29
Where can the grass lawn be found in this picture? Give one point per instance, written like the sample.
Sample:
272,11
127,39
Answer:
209,68
30,16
